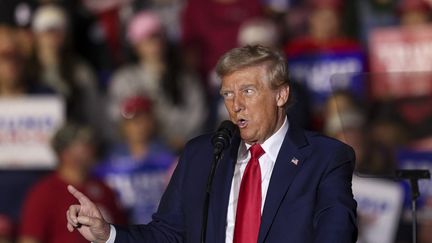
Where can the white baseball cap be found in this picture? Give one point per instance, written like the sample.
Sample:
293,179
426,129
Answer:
49,17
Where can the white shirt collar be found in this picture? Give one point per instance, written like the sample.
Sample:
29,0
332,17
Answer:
271,146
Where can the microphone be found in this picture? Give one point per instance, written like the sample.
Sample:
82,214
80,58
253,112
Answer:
222,138
220,141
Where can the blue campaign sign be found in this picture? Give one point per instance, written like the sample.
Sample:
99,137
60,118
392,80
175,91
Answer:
411,159
324,73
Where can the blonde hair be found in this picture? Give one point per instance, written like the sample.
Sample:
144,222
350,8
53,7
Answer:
255,55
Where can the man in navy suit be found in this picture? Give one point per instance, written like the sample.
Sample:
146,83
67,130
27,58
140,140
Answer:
275,183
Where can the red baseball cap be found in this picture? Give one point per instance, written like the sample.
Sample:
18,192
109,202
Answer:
134,105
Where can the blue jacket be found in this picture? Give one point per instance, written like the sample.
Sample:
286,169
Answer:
308,202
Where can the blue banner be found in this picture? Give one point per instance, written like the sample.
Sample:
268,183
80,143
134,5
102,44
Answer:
324,73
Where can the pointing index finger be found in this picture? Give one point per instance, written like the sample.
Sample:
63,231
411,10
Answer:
78,195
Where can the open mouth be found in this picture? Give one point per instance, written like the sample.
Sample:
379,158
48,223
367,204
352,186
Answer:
241,123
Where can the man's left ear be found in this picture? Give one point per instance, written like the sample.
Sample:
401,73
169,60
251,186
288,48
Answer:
282,95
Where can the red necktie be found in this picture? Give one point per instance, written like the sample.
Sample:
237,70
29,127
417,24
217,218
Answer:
248,215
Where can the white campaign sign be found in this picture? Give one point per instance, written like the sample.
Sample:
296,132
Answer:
379,207
27,125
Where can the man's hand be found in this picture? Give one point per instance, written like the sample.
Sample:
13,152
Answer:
86,218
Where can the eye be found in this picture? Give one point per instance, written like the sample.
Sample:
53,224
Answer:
249,91
227,94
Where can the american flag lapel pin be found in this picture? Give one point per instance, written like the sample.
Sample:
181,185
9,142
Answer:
294,160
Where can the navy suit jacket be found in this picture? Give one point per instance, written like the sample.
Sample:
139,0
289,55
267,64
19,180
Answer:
310,201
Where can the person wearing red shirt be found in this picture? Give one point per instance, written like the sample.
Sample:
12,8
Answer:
42,216
324,33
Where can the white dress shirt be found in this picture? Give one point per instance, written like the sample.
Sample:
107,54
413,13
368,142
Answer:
271,148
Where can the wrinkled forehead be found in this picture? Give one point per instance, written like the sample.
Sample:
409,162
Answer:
250,74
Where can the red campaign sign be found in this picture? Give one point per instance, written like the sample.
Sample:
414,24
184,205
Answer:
401,61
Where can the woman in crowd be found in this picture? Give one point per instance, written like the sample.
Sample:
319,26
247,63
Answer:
177,96
55,65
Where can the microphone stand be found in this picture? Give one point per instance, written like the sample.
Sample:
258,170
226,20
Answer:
413,176
220,141
216,157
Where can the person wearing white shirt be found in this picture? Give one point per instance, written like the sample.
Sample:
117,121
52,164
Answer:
300,185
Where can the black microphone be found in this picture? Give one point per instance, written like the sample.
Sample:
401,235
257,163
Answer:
222,138
220,141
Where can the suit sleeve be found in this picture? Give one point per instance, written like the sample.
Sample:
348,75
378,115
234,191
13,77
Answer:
168,222
335,212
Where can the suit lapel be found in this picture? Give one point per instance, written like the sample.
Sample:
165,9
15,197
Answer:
221,190
289,161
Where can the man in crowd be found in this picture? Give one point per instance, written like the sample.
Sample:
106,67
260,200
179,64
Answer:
275,183
138,167
42,217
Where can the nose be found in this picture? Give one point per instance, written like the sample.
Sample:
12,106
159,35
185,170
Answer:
238,103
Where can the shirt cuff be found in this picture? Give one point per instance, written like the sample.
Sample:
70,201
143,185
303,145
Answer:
112,235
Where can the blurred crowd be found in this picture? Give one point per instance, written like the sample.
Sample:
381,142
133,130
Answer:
137,80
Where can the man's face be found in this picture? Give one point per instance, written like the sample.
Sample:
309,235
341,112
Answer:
53,39
81,153
257,109
9,61
139,128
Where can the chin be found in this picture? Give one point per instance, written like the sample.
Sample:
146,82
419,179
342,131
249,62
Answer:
247,139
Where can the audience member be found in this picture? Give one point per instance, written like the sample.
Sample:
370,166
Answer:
372,14
414,12
176,93
10,82
42,217
169,12
23,13
387,132
258,31
340,101
344,120
325,32
386,125
55,65
138,167
13,80
320,54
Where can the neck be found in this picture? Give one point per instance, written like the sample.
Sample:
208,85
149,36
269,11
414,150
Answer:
48,57
152,62
138,149
72,175
278,124
322,37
